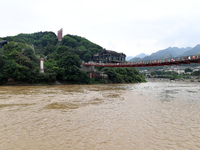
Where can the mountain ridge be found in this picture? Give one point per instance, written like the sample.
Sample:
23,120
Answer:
169,53
141,55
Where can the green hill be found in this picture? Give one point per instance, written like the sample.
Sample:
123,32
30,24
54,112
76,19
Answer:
19,60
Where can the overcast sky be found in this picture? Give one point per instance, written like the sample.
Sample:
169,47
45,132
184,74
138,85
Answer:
128,26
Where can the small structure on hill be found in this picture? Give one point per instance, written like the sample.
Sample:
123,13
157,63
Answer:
2,43
59,35
41,65
108,56
60,32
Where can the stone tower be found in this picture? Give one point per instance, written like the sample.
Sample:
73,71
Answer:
60,32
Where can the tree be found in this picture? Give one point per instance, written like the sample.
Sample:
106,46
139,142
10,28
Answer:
49,49
62,49
30,54
68,60
68,41
196,73
69,69
123,75
188,70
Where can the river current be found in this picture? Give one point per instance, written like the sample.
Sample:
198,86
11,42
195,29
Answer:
145,116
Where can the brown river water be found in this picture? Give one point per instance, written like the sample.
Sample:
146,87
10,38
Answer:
146,116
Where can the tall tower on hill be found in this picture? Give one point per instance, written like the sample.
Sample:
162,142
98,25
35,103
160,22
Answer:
60,33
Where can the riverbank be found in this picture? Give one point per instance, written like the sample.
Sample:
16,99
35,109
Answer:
64,83
58,83
170,80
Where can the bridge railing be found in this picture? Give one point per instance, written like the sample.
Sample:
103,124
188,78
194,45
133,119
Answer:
166,61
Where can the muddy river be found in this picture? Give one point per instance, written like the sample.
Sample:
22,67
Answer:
146,116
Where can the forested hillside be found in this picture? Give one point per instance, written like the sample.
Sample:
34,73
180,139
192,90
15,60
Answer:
19,60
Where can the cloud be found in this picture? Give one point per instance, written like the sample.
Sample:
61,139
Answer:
131,26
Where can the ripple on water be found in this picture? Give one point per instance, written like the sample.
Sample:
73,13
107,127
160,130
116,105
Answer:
12,105
130,116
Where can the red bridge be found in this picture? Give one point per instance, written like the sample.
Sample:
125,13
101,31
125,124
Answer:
150,63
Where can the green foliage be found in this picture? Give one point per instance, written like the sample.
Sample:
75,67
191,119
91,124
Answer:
69,69
68,60
70,42
79,46
62,49
123,75
49,49
196,73
51,66
188,70
45,78
19,60
38,38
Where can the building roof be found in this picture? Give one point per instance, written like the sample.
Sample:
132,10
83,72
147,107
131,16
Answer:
3,42
111,52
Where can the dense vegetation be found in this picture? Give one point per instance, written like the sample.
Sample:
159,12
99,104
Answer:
123,75
19,60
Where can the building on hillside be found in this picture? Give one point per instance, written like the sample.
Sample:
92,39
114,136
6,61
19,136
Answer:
177,69
108,56
2,43
195,69
181,69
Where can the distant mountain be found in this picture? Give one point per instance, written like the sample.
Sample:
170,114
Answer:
193,51
129,58
166,53
142,55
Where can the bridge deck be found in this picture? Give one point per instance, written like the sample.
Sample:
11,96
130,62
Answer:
150,63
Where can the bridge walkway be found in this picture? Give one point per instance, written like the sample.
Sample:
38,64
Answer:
150,63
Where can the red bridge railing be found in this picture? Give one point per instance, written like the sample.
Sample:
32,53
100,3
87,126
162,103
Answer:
149,63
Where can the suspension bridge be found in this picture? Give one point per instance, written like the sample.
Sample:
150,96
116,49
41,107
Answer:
150,63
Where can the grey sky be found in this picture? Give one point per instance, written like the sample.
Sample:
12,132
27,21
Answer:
129,26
